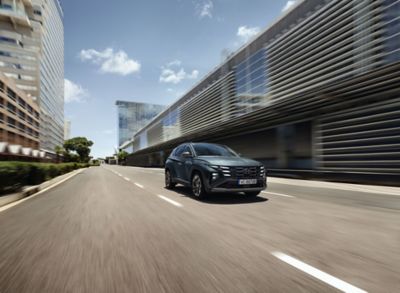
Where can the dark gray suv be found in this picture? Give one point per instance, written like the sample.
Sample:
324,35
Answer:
207,168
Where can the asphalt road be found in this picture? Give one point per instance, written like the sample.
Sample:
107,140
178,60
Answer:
116,229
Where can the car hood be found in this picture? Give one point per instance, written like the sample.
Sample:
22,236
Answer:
229,161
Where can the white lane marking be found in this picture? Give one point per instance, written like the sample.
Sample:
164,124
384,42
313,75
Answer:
279,194
177,204
320,275
6,207
139,185
127,179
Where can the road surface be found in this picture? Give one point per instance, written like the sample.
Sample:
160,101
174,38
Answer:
116,229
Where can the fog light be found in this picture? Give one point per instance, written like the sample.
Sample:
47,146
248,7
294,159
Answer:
214,176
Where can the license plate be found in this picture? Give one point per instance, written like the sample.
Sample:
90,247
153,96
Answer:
247,181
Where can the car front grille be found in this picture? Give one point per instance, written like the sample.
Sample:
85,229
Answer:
246,172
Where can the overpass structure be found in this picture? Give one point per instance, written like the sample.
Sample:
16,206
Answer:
316,94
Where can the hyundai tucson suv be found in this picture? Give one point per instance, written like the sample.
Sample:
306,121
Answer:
207,168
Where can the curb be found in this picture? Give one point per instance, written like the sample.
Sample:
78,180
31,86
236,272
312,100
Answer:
30,190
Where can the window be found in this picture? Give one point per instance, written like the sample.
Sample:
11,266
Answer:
21,115
21,127
206,149
11,122
11,108
179,150
187,149
21,102
12,94
7,40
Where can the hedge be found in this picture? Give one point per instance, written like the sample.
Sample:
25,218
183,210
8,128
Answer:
14,175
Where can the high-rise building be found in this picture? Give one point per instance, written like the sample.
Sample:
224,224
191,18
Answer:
51,74
133,116
32,54
19,116
67,129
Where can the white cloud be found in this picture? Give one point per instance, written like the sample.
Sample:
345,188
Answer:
288,5
74,92
172,72
205,8
245,33
108,131
111,62
175,63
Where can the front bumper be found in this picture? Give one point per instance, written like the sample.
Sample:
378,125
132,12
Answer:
231,185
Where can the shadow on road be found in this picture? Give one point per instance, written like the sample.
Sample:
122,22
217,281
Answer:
222,198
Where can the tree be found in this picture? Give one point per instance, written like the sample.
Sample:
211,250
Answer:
59,152
122,155
80,145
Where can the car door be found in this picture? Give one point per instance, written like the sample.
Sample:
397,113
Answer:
178,162
187,163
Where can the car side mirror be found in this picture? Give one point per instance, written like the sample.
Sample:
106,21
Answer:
186,155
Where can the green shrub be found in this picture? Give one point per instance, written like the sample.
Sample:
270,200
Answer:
14,175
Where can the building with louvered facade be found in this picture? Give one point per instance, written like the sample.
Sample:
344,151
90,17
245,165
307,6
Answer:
317,92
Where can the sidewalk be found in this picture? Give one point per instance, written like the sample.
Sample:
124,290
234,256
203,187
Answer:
30,190
376,189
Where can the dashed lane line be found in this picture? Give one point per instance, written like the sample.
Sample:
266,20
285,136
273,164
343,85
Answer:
318,274
175,203
139,185
279,194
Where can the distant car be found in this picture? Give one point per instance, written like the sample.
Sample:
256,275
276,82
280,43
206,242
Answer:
207,168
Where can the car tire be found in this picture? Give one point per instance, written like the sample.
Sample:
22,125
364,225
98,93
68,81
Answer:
168,180
252,193
198,186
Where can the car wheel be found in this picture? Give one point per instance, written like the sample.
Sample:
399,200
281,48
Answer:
252,193
198,187
168,180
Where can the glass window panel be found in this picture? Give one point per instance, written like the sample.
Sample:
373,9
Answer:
241,67
258,73
257,82
241,74
241,83
241,90
257,56
257,65
261,89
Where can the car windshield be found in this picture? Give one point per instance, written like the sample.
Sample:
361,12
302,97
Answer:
205,149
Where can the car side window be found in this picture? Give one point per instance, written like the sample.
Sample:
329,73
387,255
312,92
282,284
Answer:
187,149
178,152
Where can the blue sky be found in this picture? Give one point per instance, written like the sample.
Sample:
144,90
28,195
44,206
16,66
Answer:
147,51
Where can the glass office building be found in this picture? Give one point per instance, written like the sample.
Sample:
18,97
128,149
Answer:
132,117
318,90
52,75
32,54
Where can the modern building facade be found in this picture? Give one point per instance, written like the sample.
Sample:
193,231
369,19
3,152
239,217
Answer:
317,92
67,129
132,117
51,74
32,54
19,116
